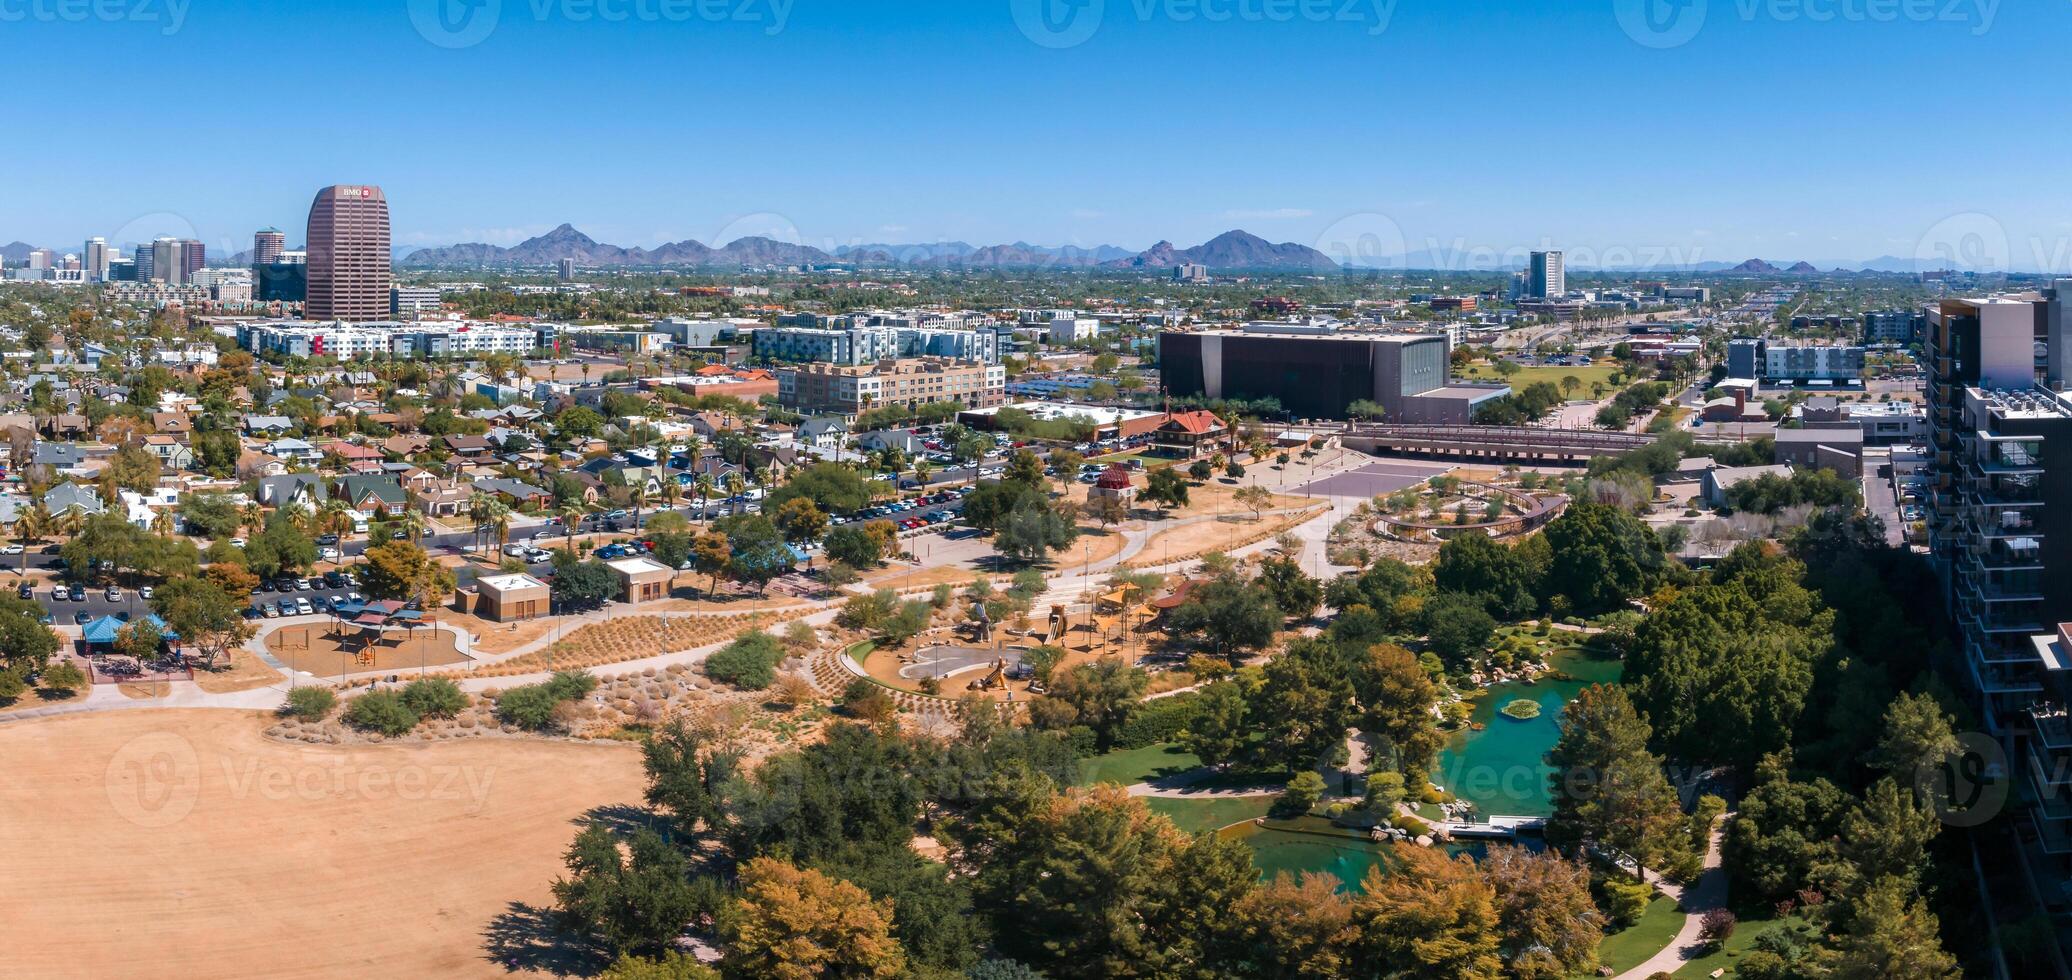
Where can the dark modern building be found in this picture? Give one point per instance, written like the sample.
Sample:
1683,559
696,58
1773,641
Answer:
280,282
349,260
1317,370
2000,524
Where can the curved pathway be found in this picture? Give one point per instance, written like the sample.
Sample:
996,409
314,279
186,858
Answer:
1709,893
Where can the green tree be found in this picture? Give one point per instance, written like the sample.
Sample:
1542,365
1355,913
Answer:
1033,530
636,901
1165,488
1602,556
1607,788
1301,795
1217,732
1459,629
585,585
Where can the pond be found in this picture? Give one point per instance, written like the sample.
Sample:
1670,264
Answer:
1313,844
1502,769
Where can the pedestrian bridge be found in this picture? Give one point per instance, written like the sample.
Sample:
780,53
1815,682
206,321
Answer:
1492,442
1499,827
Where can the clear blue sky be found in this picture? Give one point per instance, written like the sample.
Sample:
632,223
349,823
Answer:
1500,124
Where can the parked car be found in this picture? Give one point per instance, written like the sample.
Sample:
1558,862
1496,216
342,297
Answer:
25,591
303,607
270,611
13,549
113,594
514,549
81,618
328,554
58,593
146,593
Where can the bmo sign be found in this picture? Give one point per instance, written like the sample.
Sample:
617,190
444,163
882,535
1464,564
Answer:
356,193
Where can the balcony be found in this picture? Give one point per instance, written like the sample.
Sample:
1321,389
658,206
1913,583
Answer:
2053,723
2051,835
2002,680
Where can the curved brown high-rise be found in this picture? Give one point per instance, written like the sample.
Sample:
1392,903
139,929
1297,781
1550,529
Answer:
348,254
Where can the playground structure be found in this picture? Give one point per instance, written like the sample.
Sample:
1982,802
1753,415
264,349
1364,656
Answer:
1520,513
348,645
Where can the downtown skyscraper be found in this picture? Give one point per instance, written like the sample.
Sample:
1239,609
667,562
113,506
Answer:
349,260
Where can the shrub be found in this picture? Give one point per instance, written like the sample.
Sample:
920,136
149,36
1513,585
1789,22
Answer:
1628,900
1716,927
749,663
310,703
1085,742
1302,794
530,707
1158,721
568,685
1411,825
433,697
381,711
11,685
63,675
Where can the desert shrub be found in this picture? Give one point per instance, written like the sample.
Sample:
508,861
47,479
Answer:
433,697
569,685
749,663
1411,825
380,711
310,703
530,707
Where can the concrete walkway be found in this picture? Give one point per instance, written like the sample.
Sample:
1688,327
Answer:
1709,893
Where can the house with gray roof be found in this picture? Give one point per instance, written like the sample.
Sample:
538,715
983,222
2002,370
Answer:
72,496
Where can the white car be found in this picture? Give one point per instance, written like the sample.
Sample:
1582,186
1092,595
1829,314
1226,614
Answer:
13,549
327,554
514,549
302,606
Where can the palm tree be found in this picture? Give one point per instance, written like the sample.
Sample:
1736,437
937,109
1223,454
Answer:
69,521
703,484
571,515
735,485
478,513
638,498
164,524
500,522
335,516
671,490
30,525
414,524
295,512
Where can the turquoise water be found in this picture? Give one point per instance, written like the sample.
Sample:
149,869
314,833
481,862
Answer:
1344,854
1502,769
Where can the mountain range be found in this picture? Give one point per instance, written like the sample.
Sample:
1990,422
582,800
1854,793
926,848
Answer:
1234,250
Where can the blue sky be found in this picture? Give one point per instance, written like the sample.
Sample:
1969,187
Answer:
1820,129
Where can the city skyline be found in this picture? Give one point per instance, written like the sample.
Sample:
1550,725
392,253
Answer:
1770,137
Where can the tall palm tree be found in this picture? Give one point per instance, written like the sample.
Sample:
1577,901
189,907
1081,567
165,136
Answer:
414,524
571,515
478,513
638,498
335,516
735,484
69,521
703,484
294,512
30,525
671,490
164,524
500,521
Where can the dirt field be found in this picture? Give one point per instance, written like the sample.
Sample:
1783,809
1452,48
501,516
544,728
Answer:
196,847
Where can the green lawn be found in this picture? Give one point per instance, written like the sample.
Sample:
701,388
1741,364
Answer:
1129,766
1631,946
861,651
1552,375
1212,813
1737,945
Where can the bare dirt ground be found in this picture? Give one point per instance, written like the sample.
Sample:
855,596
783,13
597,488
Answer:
194,846
240,671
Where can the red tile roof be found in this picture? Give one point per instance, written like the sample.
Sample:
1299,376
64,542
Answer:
1197,422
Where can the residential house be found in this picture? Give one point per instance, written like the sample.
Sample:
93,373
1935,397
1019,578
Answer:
468,447
67,427
142,510
712,425
824,434
366,494
883,439
171,452
175,424
71,496
305,489
294,450
444,500
515,492
268,426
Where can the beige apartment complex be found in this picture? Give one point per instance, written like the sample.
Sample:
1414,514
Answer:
824,388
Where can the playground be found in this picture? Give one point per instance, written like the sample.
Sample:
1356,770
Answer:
332,650
982,658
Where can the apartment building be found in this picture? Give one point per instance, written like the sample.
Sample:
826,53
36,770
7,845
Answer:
296,338
845,389
2000,526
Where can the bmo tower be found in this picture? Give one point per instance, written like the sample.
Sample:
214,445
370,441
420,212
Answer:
348,254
